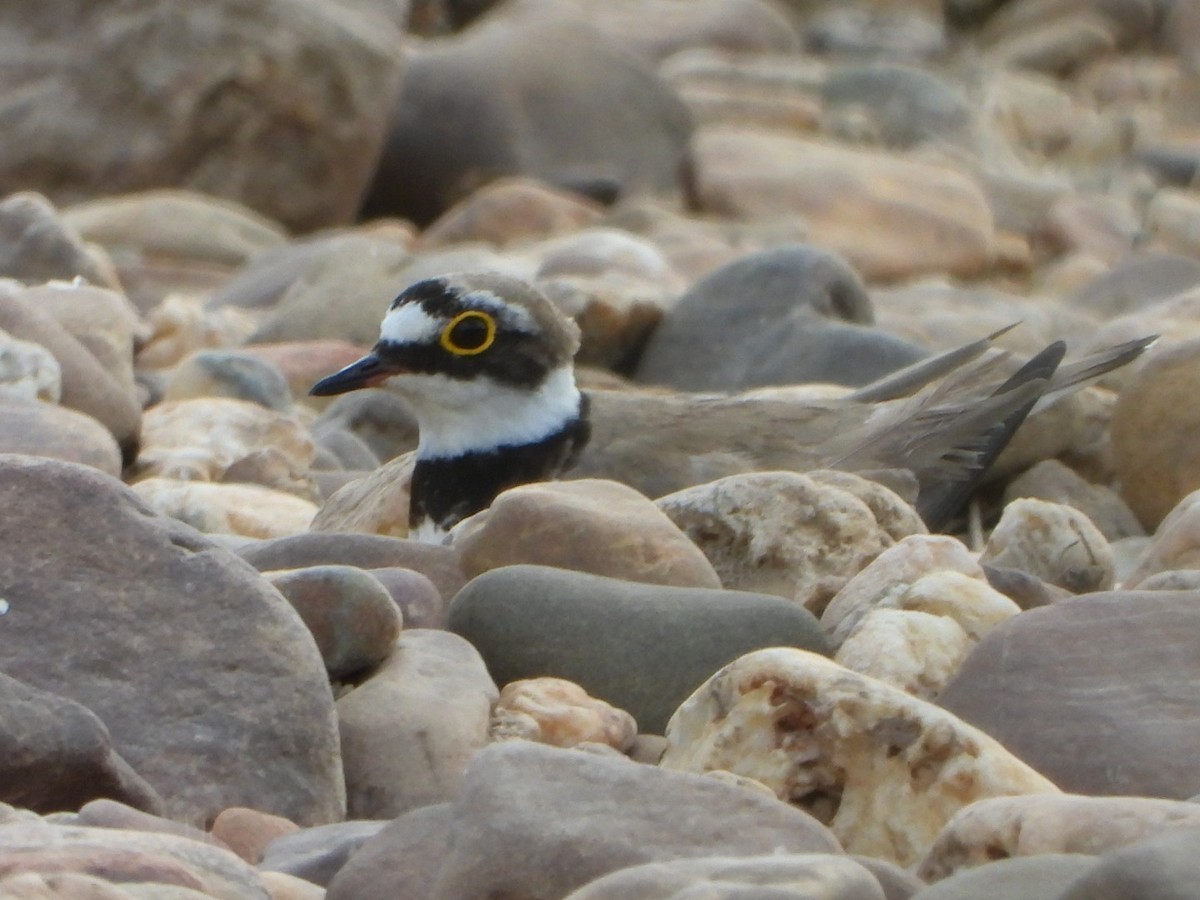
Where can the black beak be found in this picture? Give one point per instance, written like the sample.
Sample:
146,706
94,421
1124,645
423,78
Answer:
366,372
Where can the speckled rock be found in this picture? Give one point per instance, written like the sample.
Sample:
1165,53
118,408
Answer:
779,533
222,439
223,373
181,325
1046,683
829,876
1005,827
28,371
894,218
409,730
600,527
885,770
249,510
183,639
568,816
351,615
661,642
884,582
1056,543
557,712
43,429
915,651
1152,427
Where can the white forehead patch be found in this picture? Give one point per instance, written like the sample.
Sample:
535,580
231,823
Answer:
408,323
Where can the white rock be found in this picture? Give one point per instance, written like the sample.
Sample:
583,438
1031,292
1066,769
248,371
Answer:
1053,542
917,652
883,769
249,510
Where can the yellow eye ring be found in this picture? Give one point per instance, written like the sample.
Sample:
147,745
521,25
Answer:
489,336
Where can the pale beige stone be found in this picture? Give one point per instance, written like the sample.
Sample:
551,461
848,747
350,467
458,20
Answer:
779,533
973,604
894,515
1054,542
885,770
918,652
891,574
223,439
1175,545
28,371
250,510
561,713
288,887
1005,827
180,325
590,525
377,503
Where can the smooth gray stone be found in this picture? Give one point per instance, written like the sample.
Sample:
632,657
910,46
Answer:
317,854
787,315
1020,878
1163,867
644,648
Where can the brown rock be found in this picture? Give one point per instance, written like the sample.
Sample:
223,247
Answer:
206,678
36,245
56,754
350,614
419,600
103,320
886,771
1003,827
298,99
779,533
165,861
42,429
1157,461
1050,683
893,218
409,730
511,210
247,832
570,817
367,551
86,386
600,527
303,363
107,813
186,227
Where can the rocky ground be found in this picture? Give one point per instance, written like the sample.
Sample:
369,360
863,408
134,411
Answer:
227,673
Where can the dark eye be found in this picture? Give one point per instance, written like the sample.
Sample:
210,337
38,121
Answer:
469,333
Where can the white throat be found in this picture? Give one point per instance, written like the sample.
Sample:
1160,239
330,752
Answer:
457,416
